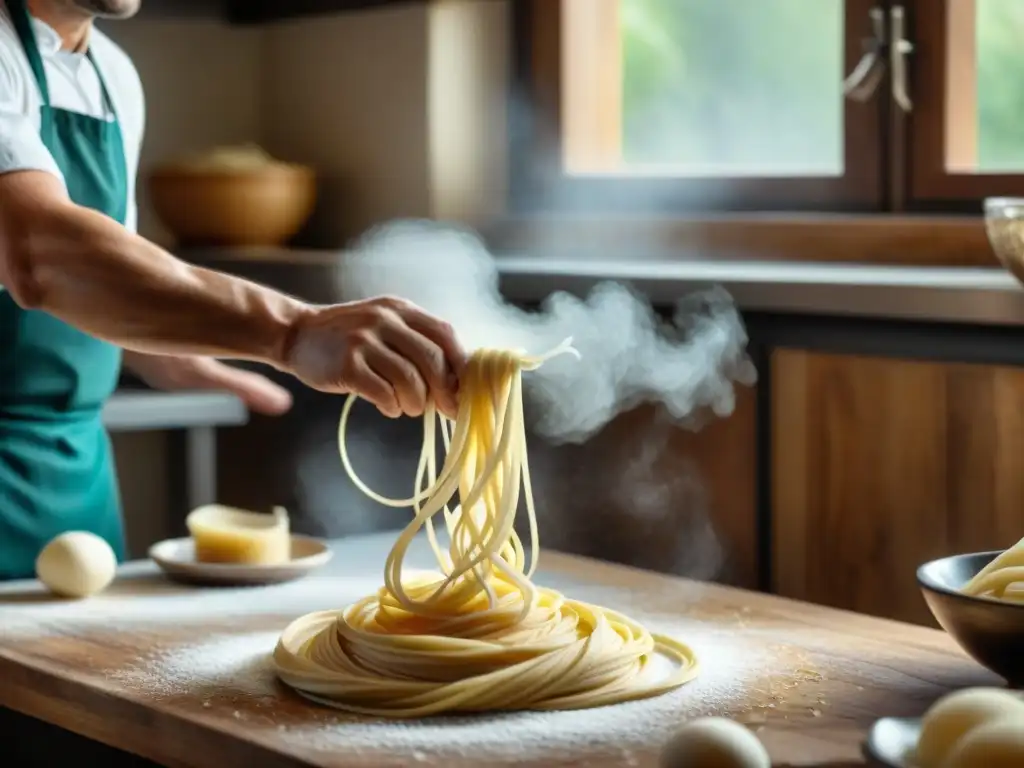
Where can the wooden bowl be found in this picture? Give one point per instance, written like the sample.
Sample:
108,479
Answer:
233,207
990,630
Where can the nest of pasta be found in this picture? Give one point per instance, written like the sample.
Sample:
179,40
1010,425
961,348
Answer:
477,634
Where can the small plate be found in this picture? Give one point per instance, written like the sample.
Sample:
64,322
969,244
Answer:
892,741
177,558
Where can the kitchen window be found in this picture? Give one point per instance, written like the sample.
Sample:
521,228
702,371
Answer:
694,107
965,133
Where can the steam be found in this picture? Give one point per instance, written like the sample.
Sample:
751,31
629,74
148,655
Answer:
628,490
630,355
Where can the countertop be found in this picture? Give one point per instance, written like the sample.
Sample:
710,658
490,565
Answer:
131,410
973,295
182,675
940,294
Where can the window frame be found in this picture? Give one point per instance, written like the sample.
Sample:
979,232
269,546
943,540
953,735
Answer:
930,186
538,183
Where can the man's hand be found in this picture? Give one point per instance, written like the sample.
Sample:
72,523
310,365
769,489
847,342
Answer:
172,373
386,350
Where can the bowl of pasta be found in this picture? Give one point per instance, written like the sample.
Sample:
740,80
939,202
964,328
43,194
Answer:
978,598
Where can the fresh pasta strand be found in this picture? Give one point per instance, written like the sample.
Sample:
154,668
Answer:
478,634
1002,579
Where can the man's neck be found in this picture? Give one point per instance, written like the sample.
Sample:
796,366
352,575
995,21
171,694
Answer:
71,24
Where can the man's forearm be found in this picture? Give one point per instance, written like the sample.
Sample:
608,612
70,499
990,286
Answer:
88,270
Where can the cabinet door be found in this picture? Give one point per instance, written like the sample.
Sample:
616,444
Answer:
880,464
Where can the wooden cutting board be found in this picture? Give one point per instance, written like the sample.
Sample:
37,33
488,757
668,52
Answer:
182,675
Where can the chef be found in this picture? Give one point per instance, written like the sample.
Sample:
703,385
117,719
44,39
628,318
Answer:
80,292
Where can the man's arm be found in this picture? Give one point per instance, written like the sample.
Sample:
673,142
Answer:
94,274
91,272
86,269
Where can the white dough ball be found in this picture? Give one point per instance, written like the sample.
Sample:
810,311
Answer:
76,564
995,744
958,713
714,742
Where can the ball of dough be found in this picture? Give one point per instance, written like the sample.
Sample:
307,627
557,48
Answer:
714,742
957,713
76,564
995,744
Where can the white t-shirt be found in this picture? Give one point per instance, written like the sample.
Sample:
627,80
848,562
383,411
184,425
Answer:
74,86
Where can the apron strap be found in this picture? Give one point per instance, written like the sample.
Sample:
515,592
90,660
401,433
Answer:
22,21
108,102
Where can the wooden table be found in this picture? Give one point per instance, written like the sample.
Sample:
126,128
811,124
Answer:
181,675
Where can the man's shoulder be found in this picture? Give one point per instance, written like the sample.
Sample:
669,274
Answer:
14,72
8,37
10,46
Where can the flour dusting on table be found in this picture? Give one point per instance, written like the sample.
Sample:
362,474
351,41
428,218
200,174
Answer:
191,649
238,669
153,604
727,675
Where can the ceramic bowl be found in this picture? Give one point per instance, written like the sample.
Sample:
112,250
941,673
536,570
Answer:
991,631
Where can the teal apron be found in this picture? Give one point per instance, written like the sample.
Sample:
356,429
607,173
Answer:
56,466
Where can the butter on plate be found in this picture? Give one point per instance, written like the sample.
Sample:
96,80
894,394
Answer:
227,535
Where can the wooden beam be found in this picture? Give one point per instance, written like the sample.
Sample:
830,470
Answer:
961,102
917,241
467,69
592,85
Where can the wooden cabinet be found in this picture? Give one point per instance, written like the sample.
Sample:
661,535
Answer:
880,464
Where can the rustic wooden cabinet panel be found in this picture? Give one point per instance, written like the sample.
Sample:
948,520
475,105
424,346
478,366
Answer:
880,464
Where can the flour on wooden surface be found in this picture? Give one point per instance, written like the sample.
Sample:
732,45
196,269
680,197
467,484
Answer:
728,674
237,671
223,666
212,648
141,600
152,604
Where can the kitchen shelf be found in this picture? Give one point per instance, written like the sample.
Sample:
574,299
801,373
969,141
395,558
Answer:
144,410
